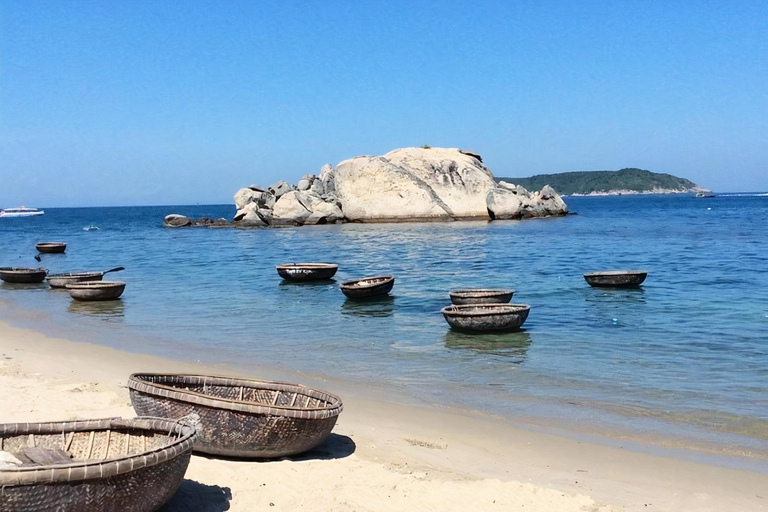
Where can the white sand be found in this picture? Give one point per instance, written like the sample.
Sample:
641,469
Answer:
382,456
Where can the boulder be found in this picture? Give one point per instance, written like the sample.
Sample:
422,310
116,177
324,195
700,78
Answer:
317,188
503,204
251,215
280,188
306,182
413,184
514,202
326,177
322,212
248,195
291,209
176,221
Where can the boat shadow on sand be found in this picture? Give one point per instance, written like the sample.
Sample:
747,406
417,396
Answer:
509,344
335,446
196,497
193,496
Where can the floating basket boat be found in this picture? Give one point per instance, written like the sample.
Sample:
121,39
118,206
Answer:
62,280
96,290
94,465
240,417
368,287
51,247
481,296
486,317
616,278
23,274
307,271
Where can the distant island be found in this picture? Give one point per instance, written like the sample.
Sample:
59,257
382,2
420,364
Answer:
623,181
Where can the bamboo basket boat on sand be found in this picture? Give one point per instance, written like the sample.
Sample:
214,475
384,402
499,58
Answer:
105,465
240,417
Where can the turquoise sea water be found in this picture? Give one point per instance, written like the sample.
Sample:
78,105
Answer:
684,355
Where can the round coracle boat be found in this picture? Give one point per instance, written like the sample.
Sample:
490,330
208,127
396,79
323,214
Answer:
307,271
23,274
96,290
51,247
240,417
481,296
368,287
62,280
106,465
486,317
616,278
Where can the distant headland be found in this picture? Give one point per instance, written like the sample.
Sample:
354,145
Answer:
594,183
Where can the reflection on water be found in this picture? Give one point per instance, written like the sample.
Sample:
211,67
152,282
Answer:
627,295
319,282
510,344
381,306
23,286
110,310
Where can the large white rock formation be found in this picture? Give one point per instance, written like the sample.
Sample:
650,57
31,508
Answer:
410,184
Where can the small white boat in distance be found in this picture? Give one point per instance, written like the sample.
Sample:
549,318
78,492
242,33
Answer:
20,212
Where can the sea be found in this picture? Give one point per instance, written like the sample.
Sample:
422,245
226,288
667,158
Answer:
678,363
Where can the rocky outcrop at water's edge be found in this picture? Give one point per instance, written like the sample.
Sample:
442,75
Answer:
404,185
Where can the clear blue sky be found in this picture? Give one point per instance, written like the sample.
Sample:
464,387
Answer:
161,102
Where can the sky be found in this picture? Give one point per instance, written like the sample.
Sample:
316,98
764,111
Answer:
164,102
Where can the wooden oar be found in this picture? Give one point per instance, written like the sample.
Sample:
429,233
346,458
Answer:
116,269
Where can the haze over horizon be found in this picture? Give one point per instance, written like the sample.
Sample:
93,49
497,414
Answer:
186,102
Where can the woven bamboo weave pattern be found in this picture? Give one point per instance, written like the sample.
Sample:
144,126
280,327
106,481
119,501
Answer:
240,417
135,464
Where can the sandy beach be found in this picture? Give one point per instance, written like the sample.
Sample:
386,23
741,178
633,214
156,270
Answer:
382,455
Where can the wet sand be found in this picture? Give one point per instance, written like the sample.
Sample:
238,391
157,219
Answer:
382,455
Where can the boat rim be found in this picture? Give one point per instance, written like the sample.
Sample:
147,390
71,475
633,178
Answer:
26,475
23,270
136,383
384,278
288,266
95,284
615,273
481,292
500,309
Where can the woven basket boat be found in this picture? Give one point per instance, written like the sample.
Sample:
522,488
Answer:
486,317
307,271
240,417
481,296
106,465
616,278
368,287
23,274
62,280
51,247
96,290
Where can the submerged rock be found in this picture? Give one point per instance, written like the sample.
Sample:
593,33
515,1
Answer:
176,221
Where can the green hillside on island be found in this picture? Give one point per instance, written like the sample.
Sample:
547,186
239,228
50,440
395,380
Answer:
629,180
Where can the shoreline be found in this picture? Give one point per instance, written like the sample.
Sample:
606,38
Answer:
440,458
594,423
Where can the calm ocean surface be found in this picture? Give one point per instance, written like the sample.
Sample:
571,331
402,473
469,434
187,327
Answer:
686,355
